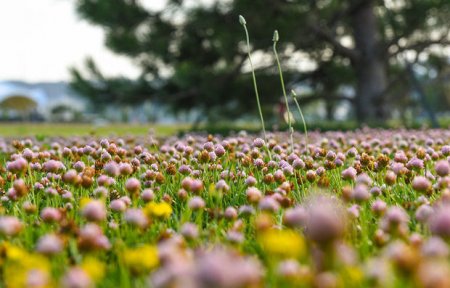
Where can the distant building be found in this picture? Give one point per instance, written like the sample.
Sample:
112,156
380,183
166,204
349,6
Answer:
47,101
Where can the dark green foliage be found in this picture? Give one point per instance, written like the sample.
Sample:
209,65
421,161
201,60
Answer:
194,57
103,90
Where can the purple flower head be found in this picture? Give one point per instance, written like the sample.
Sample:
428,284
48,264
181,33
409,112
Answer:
258,142
235,237
189,231
295,217
79,166
136,217
221,185
76,278
439,222
258,162
50,214
288,269
133,185
395,220
423,213
219,150
326,219
435,247
246,210
125,169
353,211
28,154
112,169
185,169
10,225
253,194
415,164
147,195
349,174
400,157
421,184
196,203
105,181
375,191
445,150
49,244
363,178
53,166
352,152
230,213
331,155
250,181
442,168
298,164
269,204
379,207
224,269
118,205
360,193
94,211
19,165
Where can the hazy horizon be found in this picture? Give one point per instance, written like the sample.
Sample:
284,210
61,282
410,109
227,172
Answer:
43,38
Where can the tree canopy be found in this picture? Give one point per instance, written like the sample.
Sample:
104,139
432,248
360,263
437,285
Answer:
193,55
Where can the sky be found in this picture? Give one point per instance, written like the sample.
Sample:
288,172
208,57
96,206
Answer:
41,39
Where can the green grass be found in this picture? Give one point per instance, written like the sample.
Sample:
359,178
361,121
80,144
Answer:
77,129
12,130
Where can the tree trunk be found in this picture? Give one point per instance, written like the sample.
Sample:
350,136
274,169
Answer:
329,106
369,66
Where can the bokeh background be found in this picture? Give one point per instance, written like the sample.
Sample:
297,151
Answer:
174,62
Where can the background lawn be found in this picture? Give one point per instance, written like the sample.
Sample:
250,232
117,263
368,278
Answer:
75,129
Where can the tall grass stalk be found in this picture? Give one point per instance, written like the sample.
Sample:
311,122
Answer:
294,97
275,39
243,23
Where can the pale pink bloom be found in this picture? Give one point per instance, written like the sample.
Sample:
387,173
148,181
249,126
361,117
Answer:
50,214
49,244
196,203
136,217
10,225
94,211
76,278
118,205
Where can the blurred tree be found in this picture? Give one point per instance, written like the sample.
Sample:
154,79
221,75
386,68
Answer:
193,55
19,103
102,90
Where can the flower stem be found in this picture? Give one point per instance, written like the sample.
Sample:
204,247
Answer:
291,130
255,86
294,96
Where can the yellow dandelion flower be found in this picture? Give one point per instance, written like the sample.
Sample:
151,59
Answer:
282,243
158,210
141,259
84,201
94,268
19,264
212,188
14,252
353,275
